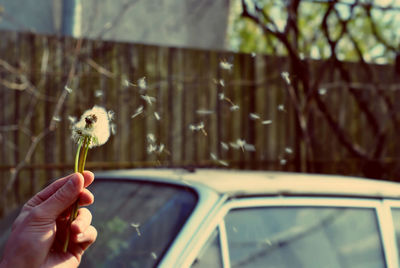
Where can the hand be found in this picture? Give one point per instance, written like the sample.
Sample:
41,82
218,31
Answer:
38,233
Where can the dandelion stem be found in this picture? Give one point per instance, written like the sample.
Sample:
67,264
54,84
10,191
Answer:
80,160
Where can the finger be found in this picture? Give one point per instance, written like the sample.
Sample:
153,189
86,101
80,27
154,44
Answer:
82,221
48,191
86,238
89,177
85,198
63,197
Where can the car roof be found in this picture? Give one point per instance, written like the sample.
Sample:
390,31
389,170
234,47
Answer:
242,183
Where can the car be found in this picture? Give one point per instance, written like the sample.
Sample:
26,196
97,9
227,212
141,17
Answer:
231,218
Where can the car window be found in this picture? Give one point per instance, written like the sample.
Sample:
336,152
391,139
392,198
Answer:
136,222
210,255
304,237
396,223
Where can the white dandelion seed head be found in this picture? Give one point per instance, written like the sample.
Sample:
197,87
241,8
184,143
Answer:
94,123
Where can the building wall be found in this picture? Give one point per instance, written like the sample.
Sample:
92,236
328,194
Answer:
181,23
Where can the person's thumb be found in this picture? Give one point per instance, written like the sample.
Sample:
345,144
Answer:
64,197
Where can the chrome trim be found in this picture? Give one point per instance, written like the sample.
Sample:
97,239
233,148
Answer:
179,247
200,236
224,245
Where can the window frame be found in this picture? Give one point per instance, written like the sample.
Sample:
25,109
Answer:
382,209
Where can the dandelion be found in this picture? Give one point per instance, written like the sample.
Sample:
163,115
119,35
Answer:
322,91
281,107
157,116
69,90
198,127
138,111
151,138
288,150
253,54
93,129
282,161
142,83
254,116
234,107
98,93
226,65
224,146
221,96
266,122
136,226
148,99
154,255
204,112
56,119
285,76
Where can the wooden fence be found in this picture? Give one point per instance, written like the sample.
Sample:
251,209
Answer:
196,108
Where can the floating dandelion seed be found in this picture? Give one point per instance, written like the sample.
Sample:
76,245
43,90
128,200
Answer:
266,122
254,116
281,107
72,119
288,150
136,226
285,76
282,161
221,96
151,137
142,83
56,119
249,147
253,54
98,93
204,112
234,107
241,143
213,157
322,91
154,255
223,163
225,65
157,116
198,127
149,100
224,146
69,90
138,111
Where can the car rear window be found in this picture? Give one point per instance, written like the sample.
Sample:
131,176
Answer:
136,222
304,237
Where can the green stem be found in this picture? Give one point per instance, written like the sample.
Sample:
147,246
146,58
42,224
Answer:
80,160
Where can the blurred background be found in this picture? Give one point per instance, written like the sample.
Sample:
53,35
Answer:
291,85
